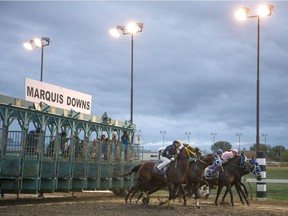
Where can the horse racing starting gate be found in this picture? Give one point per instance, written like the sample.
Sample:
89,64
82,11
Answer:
45,149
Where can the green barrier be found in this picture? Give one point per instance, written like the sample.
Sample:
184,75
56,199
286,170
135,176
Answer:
79,181
30,177
11,175
105,176
93,180
64,174
48,177
117,181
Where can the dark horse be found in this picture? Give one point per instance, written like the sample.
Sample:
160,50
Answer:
255,170
148,181
233,171
194,176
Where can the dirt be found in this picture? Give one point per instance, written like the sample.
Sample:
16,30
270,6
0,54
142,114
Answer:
107,204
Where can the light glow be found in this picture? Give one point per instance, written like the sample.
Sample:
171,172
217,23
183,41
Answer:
264,10
114,32
37,42
28,46
132,28
242,14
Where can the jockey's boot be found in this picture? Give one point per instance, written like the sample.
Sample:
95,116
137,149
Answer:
158,171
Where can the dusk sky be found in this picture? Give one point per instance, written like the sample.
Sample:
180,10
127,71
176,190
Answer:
194,64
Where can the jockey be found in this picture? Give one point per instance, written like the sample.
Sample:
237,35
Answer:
160,151
169,154
229,154
212,171
219,152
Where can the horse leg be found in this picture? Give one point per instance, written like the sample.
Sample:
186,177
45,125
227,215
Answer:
196,187
241,192
146,197
133,194
171,193
132,190
245,189
220,186
231,194
225,194
127,195
184,195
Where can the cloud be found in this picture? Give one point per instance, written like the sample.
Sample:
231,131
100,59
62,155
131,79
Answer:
194,64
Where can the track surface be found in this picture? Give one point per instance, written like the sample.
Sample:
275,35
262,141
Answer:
107,204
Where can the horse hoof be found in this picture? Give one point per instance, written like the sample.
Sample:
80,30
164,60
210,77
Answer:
198,207
146,200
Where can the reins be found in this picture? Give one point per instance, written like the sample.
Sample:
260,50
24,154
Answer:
239,166
189,153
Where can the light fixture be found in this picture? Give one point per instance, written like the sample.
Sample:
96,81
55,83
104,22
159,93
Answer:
265,10
38,43
129,29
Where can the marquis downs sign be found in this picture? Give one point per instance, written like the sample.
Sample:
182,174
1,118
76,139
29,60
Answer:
57,96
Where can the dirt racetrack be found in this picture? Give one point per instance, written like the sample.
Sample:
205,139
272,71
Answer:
107,204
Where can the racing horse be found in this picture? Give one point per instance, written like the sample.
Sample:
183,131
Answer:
194,177
256,171
233,171
148,181
246,165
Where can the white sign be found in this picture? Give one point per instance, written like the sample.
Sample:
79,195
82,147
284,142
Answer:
57,96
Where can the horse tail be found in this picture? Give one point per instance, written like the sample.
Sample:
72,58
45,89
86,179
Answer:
134,169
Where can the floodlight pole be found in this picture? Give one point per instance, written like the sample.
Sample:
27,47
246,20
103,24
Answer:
132,78
258,85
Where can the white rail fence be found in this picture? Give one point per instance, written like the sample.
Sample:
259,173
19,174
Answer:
267,181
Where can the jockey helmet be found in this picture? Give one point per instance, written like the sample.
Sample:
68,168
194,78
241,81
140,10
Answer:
235,151
219,151
177,143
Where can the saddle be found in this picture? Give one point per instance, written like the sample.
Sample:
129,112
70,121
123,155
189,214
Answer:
211,173
160,171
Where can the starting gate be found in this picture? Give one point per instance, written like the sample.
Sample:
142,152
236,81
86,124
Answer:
60,150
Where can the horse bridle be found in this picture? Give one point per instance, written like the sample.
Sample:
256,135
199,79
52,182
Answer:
245,165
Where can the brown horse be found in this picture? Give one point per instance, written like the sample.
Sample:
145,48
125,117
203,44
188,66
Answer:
253,168
195,175
148,181
231,176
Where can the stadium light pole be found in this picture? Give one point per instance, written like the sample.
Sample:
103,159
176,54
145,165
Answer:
239,134
243,14
130,29
163,132
38,43
213,134
188,134
265,135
